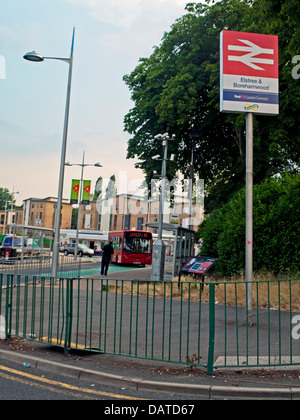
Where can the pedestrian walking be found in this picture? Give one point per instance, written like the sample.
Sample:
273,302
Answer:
107,252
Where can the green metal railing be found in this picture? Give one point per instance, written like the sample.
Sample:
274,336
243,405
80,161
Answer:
158,321
40,265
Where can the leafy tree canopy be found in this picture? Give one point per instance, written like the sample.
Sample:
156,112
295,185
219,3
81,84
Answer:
5,196
176,90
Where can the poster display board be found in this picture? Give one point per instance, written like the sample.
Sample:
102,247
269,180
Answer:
198,265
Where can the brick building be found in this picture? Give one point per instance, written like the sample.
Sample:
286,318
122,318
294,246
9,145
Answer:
7,217
42,212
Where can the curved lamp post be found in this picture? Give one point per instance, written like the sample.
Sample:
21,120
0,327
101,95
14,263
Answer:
36,57
80,193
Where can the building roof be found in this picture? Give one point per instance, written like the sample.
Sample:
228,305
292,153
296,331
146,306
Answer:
51,199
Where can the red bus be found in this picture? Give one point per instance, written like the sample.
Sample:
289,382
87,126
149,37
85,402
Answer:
131,247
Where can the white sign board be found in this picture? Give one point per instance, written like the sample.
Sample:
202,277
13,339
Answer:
249,73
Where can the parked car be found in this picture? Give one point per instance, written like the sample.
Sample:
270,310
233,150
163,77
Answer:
82,250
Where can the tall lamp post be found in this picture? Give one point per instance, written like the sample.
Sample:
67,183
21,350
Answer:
80,194
159,248
33,56
5,215
12,207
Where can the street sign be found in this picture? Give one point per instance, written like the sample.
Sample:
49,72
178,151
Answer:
174,219
249,73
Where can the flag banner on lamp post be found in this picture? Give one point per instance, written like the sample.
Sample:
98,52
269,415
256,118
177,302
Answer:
86,192
75,191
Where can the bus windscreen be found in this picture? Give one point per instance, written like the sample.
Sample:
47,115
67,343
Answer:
138,242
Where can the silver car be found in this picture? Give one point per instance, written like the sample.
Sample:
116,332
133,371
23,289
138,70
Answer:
82,250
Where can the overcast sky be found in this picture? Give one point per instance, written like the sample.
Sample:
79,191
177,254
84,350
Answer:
110,37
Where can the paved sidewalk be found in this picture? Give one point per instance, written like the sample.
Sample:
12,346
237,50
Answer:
157,377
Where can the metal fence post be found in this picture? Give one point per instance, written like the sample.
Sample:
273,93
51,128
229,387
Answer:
69,315
211,344
8,306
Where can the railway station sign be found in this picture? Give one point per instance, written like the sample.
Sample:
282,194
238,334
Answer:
249,73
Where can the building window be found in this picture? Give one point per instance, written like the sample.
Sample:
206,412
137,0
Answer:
127,222
140,222
115,221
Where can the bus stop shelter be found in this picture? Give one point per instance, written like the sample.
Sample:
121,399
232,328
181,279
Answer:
180,243
35,234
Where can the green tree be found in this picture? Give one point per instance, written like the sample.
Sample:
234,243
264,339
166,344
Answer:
74,218
276,223
176,89
111,189
5,195
98,189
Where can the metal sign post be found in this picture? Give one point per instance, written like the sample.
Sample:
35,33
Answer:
249,215
249,84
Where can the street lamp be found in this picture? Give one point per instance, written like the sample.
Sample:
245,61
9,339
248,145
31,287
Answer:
159,248
80,193
11,208
5,215
34,56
